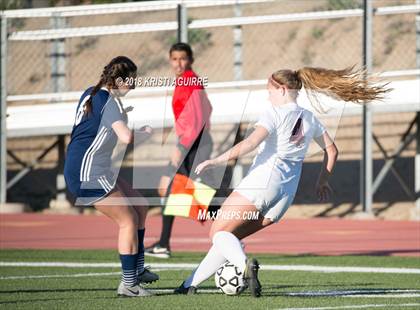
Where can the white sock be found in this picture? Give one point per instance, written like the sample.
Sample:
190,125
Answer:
206,269
231,248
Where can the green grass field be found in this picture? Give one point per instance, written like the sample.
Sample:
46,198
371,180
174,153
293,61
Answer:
88,287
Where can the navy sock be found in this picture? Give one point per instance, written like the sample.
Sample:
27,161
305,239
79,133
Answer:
129,266
140,257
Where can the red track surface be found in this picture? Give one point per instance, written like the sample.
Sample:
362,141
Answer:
314,236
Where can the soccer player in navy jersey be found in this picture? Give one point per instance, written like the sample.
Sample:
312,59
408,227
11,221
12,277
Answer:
101,122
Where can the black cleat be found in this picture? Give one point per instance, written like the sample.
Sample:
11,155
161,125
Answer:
251,277
147,277
182,290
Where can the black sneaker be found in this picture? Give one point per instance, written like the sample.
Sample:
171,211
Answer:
182,290
157,251
251,277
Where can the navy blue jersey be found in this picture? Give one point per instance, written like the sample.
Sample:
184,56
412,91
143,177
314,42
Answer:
88,158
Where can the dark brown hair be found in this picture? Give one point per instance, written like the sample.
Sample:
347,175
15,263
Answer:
182,47
119,67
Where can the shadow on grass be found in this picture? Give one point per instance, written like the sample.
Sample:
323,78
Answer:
58,290
268,291
53,299
171,288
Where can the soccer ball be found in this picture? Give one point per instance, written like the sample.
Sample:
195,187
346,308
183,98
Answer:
229,279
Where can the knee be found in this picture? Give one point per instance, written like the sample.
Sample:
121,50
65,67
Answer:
215,227
130,222
218,227
214,236
213,232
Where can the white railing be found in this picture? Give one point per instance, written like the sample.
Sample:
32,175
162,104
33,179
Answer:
98,9
49,34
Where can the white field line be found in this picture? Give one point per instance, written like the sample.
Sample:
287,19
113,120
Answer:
384,292
350,292
373,293
356,307
72,275
335,269
386,296
189,266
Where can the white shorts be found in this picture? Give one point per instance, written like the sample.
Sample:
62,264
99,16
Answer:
271,186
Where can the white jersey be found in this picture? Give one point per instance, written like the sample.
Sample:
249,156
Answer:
273,178
282,142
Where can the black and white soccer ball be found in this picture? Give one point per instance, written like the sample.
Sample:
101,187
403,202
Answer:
229,279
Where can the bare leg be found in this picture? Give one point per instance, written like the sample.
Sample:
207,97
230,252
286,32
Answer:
127,220
141,204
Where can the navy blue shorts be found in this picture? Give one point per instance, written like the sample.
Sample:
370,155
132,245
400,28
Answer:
89,193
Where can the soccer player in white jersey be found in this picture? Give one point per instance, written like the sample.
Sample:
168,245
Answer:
283,134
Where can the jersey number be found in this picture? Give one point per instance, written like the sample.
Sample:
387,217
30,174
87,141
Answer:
80,111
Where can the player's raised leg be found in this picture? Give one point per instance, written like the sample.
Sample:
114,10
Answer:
225,234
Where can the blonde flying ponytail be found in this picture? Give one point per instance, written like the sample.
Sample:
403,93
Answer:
347,84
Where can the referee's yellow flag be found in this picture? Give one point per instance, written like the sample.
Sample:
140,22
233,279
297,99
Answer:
188,197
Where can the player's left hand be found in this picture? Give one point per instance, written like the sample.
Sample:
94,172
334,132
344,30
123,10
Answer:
323,191
142,134
129,109
204,165
146,129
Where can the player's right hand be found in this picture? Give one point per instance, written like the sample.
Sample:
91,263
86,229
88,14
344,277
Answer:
323,191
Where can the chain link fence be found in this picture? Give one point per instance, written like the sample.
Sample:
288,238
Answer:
32,64
223,53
